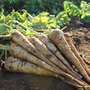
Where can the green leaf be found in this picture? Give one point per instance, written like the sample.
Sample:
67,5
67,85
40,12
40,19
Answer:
43,13
86,17
61,14
85,7
20,18
61,21
44,19
27,32
63,18
2,29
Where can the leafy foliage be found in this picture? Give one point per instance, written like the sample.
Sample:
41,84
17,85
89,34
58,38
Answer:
86,17
34,6
26,23
83,11
63,18
85,8
32,21
71,9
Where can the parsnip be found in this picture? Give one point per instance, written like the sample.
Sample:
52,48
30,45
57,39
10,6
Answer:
20,39
44,39
74,50
45,51
19,52
49,44
19,65
58,39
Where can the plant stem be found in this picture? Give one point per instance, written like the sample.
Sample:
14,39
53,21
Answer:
2,36
3,47
7,26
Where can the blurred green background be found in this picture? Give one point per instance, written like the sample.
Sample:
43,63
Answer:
36,6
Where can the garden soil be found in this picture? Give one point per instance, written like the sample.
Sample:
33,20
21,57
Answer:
79,33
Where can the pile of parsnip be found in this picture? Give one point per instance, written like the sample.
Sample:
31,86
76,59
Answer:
52,56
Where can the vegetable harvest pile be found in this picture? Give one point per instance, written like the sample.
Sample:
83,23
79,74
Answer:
52,56
38,46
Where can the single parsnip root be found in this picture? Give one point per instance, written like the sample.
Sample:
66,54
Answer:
19,52
58,39
44,39
19,65
74,50
45,51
